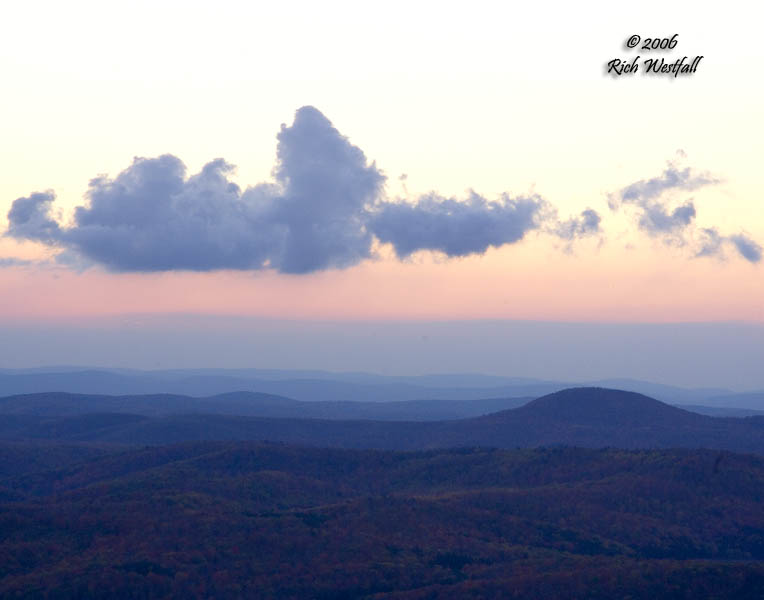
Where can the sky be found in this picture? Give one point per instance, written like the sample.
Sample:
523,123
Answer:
403,165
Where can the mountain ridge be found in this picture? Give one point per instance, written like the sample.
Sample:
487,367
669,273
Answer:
588,417
323,385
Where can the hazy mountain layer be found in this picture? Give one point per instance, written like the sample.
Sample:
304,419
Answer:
312,386
251,404
589,417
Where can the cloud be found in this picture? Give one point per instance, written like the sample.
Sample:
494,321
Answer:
713,244
453,227
151,217
658,215
644,191
327,186
29,218
651,198
588,223
463,227
747,248
323,210
656,218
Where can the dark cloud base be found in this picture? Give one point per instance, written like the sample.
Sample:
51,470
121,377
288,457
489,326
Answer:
324,210
152,217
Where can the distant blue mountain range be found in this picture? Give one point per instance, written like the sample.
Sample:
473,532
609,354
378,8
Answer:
323,386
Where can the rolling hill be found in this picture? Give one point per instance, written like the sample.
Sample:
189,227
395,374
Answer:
311,386
588,417
250,404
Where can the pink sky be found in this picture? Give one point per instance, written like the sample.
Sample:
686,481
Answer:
527,282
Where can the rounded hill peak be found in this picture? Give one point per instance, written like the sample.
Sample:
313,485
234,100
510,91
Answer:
593,405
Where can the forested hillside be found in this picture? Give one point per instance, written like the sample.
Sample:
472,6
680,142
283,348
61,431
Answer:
231,520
